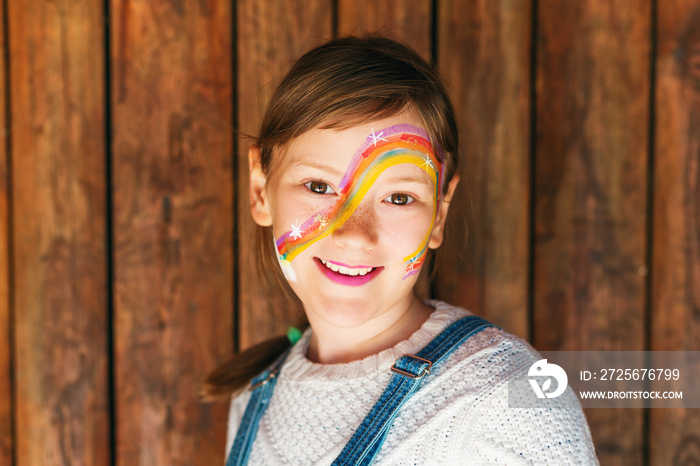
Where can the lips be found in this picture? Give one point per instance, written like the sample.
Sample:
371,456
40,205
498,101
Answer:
347,275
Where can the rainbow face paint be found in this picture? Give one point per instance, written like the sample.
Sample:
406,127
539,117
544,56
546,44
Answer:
381,150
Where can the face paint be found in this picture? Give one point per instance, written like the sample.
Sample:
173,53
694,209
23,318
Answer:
389,147
287,269
286,266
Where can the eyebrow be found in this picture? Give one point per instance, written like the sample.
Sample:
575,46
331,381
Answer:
410,179
318,166
334,171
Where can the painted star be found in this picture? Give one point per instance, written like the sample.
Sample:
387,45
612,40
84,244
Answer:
296,231
411,266
427,163
376,137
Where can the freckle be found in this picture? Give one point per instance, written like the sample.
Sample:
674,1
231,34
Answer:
364,219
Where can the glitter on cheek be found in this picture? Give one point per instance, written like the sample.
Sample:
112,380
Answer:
321,220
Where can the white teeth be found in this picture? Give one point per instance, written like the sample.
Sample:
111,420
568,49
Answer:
346,270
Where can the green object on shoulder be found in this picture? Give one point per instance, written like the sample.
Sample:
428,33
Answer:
293,335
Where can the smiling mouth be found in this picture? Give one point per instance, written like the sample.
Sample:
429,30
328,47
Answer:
347,275
352,271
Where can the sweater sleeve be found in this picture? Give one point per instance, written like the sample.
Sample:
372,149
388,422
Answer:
495,433
499,434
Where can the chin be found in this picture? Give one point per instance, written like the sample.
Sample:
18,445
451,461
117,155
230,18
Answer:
343,313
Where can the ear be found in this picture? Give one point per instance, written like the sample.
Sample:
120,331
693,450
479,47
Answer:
259,203
439,228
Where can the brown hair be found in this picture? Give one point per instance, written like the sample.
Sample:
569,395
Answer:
338,85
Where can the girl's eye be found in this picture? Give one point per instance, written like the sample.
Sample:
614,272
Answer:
399,199
319,187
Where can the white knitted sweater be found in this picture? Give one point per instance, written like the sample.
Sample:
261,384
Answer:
460,415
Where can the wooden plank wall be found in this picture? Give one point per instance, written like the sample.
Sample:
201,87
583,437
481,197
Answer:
6,418
127,265
172,202
590,188
675,260
483,50
57,130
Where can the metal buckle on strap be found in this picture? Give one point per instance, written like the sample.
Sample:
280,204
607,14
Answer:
426,370
270,376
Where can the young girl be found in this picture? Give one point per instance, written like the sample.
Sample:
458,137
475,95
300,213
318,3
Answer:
351,180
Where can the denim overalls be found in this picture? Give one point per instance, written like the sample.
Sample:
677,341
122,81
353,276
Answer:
368,438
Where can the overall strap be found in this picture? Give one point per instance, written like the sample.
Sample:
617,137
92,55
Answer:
368,438
262,387
409,371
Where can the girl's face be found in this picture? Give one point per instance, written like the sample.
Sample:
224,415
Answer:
353,213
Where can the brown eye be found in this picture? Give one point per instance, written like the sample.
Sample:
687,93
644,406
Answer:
399,199
319,187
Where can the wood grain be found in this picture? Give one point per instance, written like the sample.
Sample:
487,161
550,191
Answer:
172,181
483,52
57,77
674,435
177,193
6,415
591,181
271,36
407,21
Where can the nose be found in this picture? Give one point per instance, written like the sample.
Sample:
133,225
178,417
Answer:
359,232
